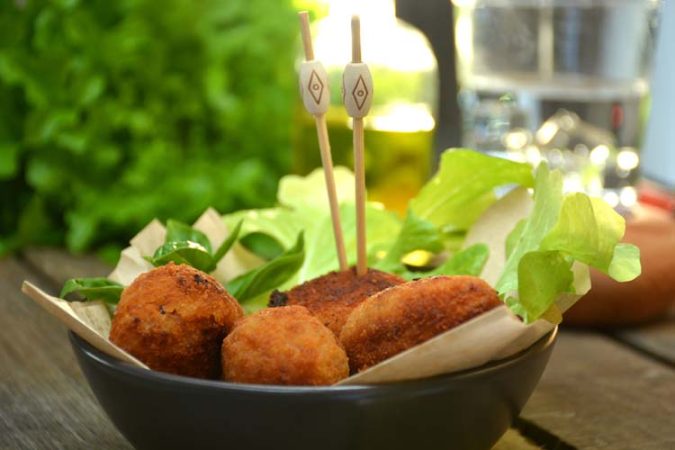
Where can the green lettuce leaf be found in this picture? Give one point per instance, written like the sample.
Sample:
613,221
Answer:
93,289
227,243
299,192
262,244
587,229
382,227
270,275
560,231
542,277
184,252
547,201
186,245
464,187
513,237
178,231
469,261
303,210
625,265
415,234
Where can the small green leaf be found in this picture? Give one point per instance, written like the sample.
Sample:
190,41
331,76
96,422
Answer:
184,252
93,289
263,245
227,243
469,261
179,231
415,234
269,275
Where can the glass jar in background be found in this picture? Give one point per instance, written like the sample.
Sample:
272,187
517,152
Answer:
399,128
561,80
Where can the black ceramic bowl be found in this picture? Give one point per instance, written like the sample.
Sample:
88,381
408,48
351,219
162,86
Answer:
462,411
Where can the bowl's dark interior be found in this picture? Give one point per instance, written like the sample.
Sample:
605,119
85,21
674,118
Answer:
467,410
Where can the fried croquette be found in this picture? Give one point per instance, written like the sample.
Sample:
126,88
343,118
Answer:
174,319
285,345
332,297
403,316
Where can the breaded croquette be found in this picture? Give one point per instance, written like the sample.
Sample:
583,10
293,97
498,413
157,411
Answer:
333,296
285,345
174,319
403,316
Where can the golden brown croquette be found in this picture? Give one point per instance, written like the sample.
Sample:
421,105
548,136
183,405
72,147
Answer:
333,296
174,319
406,315
285,345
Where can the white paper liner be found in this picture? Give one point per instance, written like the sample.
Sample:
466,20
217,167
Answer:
493,335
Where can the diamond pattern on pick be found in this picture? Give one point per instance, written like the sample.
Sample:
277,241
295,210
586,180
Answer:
360,92
315,87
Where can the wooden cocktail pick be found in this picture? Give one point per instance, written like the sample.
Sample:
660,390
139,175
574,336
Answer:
316,98
357,94
80,322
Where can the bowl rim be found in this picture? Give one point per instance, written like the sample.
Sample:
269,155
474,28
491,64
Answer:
161,378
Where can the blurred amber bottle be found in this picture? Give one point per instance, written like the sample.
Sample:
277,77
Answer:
399,128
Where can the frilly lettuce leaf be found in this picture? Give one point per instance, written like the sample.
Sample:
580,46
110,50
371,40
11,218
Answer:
547,201
464,187
542,277
561,230
309,192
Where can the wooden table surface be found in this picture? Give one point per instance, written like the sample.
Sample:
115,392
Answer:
600,391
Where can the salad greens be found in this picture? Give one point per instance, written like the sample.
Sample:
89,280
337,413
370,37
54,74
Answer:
562,229
185,245
547,253
464,187
415,234
93,289
301,209
542,251
270,275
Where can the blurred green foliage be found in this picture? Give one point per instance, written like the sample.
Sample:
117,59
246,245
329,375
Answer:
115,112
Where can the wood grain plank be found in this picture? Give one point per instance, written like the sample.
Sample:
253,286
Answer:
59,266
597,394
45,402
656,339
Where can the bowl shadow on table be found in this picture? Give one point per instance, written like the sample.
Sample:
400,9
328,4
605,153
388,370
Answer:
466,410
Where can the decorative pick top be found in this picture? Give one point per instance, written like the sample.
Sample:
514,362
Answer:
357,89
314,87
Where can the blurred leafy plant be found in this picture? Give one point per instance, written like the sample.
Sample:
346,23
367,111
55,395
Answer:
115,112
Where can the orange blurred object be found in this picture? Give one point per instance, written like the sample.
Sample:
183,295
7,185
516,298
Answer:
650,296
